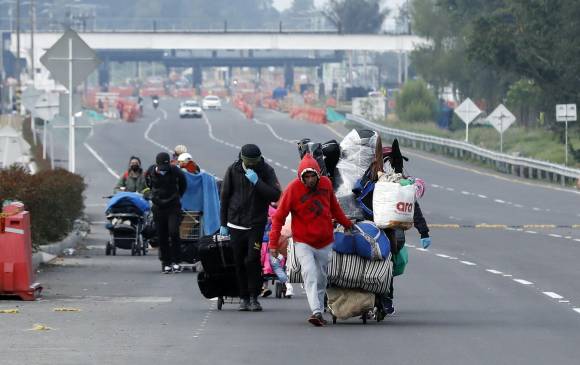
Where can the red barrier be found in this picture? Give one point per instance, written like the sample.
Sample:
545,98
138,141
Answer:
16,274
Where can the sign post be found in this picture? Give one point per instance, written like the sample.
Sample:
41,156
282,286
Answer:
467,112
501,119
566,113
70,61
46,108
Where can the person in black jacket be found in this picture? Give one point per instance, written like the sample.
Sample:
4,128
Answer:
167,184
249,186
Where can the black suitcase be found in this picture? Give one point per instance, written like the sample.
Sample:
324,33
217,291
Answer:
216,254
218,285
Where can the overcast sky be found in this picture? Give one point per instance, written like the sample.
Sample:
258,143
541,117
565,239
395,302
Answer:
285,4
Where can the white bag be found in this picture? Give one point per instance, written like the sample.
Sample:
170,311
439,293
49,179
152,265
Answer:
293,268
393,205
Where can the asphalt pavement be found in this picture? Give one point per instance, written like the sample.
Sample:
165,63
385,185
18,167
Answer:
500,284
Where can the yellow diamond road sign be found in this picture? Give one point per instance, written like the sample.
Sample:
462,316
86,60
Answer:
70,60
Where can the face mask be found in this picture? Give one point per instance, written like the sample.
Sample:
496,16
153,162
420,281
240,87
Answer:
135,168
162,173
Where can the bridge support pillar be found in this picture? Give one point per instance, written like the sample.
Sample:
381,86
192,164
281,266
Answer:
288,76
104,75
197,76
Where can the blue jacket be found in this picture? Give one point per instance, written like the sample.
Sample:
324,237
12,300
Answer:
202,195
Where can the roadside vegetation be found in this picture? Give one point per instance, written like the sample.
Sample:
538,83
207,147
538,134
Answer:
54,199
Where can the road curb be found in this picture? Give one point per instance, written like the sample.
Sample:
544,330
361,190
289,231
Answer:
48,253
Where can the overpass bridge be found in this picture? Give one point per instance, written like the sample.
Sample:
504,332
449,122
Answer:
231,49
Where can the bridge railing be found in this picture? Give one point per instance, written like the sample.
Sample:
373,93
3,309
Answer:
519,166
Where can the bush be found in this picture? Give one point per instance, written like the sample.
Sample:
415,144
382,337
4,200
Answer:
416,103
54,199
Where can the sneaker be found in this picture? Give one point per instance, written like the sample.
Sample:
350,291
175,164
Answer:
255,305
289,291
244,305
166,269
176,268
389,311
317,320
266,293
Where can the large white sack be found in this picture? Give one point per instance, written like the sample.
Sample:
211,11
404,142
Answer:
393,205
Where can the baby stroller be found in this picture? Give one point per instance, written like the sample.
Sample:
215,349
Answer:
127,213
282,288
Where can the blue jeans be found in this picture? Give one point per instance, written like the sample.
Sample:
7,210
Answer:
314,264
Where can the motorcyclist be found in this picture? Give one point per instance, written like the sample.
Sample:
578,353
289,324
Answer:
132,180
155,100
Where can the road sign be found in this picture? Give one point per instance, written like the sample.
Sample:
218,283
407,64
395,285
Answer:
501,118
70,61
70,48
29,97
566,113
63,108
47,106
467,112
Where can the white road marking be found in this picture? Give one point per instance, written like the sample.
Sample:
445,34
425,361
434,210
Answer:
563,301
553,295
577,239
536,209
449,189
421,249
453,258
532,232
465,192
507,275
481,196
469,263
499,201
148,130
294,171
523,282
435,185
568,237
442,255
494,271
518,206
100,159
577,310
274,132
555,235
410,245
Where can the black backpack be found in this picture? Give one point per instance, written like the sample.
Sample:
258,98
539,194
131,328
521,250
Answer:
315,149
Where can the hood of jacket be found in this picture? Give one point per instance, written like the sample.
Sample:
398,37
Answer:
308,164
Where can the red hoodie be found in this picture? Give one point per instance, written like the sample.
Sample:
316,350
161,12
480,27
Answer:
312,211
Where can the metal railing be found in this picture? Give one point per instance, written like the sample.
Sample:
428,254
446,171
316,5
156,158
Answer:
519,166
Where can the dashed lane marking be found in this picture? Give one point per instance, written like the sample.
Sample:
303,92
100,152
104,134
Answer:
555,235
523,282
577,310
468,263
553,295
496,272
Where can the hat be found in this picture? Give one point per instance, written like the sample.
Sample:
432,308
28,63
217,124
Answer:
250,154
179,149
162,161
184,157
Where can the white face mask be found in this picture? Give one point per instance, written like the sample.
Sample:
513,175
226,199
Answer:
162,173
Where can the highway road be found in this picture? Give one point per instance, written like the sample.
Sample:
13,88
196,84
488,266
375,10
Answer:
500,284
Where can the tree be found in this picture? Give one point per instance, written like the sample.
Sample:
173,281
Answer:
356,16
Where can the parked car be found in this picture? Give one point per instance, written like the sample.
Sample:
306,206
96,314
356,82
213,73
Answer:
211,102
190,108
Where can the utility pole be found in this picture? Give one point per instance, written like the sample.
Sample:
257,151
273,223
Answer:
19,81
32,30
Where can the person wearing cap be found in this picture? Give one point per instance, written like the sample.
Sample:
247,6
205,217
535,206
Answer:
248,188
311,201
177,151
186,163
167,184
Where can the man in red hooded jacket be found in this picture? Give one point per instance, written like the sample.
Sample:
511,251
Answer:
311,201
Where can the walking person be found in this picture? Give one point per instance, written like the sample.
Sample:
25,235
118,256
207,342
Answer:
311,201
249,186
167,184
132,180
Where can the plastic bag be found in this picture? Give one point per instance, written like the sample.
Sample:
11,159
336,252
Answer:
357,153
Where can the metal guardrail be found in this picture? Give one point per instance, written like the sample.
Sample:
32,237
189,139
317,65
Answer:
519,166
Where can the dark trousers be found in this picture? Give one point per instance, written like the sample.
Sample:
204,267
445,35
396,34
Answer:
167,222
397,239
247,246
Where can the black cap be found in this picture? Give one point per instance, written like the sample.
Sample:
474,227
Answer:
251,151
162,161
